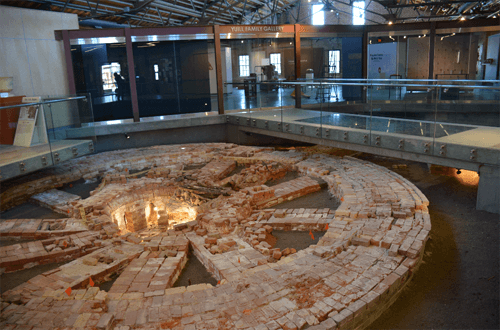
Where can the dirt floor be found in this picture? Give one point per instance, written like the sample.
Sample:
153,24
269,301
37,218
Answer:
9,281
108,284
30,211
316,200
457,286
194,273
81,187
299,240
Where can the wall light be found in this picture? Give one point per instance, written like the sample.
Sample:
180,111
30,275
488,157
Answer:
127,136
390,22
462,18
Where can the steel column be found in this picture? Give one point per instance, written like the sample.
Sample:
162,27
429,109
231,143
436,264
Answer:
131,74
218,68
365,62
69,62
432,40
296,47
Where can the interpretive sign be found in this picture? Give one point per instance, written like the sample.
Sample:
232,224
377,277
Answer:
31,128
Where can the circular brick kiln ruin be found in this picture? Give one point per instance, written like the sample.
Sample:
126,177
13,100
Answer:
153,205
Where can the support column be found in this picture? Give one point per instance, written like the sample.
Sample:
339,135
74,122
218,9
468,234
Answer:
488,192
432,40
218,68
131,75
69,62
364,58
298,89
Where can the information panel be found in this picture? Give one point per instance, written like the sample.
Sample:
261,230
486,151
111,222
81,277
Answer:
31,128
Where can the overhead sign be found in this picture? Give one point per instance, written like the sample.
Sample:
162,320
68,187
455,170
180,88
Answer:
257,29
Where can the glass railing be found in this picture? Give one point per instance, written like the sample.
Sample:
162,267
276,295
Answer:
445,118
35,133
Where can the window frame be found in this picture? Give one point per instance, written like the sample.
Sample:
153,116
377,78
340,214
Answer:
107,74
278,67
330,67
245,67
358,20
316,15
156,69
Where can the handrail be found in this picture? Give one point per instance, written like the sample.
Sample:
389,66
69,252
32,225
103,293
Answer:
378,79
43,102
369,82
406,79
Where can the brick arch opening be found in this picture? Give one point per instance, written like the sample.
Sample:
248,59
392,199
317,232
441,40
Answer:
153,210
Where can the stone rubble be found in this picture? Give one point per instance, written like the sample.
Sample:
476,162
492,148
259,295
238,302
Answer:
141,229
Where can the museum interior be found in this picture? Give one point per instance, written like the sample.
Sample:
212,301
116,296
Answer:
249,164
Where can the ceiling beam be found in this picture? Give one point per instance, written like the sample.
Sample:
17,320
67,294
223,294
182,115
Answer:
428,4
131,11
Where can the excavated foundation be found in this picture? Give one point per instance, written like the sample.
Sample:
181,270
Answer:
154,205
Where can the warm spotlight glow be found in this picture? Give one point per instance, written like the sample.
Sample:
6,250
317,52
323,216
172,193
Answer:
390,22
462,18
466,177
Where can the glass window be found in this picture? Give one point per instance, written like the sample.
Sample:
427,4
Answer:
318,15
102,71
276,61
157,72
173,77
108,80
334,61
244,61
358,13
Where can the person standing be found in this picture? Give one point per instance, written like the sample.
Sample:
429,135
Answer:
120,84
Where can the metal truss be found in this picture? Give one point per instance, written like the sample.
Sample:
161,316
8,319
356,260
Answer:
151,13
